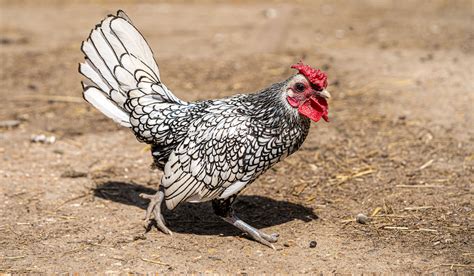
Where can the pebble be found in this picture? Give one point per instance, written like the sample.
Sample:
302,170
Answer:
139,237
270,13
73,174
43,139
9,123
58,151
312,244
362,219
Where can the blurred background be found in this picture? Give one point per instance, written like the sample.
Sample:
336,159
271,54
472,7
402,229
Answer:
399,147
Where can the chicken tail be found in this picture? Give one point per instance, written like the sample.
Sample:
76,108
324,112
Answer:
119,66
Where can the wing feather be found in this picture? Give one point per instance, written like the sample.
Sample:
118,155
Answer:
207,163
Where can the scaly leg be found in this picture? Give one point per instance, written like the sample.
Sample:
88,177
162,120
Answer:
223,208
154,210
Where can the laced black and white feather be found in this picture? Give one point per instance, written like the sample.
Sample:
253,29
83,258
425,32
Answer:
208,149
121,71
231,144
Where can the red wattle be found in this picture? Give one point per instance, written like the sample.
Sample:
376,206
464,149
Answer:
315,108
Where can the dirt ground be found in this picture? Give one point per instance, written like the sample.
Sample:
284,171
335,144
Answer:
399,147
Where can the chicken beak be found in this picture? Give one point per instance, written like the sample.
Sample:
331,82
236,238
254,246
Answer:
324,93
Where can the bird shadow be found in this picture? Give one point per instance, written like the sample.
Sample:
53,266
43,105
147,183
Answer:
258,211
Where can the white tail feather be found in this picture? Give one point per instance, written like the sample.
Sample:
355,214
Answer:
118,60
100,101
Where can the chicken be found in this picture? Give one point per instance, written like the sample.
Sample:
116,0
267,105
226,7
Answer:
208,150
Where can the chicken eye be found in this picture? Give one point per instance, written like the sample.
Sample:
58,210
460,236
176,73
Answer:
299,87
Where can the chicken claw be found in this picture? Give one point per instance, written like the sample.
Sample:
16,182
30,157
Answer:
256,234
153,211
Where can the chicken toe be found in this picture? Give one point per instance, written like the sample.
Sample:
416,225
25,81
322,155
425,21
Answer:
154,211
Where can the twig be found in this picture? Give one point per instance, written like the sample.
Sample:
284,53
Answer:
362,173
19,270
403,228
154,261
426,165
176,248
426,230
376,211
75,250
419,186
299,189
11,230
456,265
345,178
396,228
311,198
416,208
16,194
13,257
118,258
391,216
71,199
96,244
66,217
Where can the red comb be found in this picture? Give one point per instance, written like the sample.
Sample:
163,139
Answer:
315,76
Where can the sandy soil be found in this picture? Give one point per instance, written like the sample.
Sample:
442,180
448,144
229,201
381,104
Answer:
399,147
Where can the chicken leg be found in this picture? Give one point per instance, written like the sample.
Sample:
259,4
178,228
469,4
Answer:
153,210
223,208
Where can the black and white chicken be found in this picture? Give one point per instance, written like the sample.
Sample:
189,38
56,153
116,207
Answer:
208,150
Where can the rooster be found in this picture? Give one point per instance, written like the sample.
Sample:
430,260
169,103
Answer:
207,150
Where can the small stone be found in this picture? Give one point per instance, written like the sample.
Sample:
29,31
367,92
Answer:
270,13
312,244
73,174
9,123
50,139
43,139
362,219
38,138
58,151
32,87
139,237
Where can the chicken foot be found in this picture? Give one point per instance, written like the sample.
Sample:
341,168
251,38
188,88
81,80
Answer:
153,210
223,209
256,234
